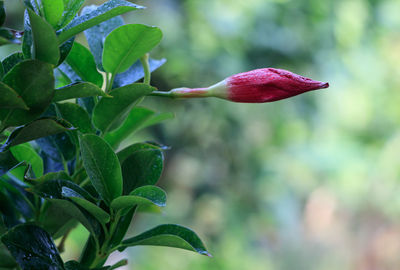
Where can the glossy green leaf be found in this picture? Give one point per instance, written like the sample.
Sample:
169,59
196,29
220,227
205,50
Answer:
122,227
82,63
71,9
27,39
141,196
103,13
57,220
10,61
77,116
45,41
10,99
65,49
141,168
78,90
25,152
136,72
32,247
36,89
74,265
136,117
168,235
93,209
53,11
34,130
129,150
102,166
98,33
53,189
126,44
61,175
109,113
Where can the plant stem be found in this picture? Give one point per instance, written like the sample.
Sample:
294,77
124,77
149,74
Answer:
146,68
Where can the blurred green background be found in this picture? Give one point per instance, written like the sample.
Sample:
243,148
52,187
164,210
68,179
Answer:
311,182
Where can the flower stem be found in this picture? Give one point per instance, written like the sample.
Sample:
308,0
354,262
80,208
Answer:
146,68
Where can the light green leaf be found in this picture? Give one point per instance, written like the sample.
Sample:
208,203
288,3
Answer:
71,9
102,166
103,13
109,113
141,196
128,43
53,11
25,152
168,235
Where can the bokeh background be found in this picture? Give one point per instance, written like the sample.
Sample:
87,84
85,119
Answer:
312,182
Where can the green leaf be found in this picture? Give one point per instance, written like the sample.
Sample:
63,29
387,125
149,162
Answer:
10,61
61,175
32,247
6,260
168,235
136,72
2,13
141,196
98,33
10,99
136,117
34,130
45,41
156,119
53,11
126,44
57,221
7,162
53,189
65,49
109,113
102,166
71,9
103,13
78,90
126,152
36,89
122,227
27,39
141,168
77,116
82,63
25,152
93,209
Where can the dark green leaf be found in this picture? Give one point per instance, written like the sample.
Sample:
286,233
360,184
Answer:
135,72
109,113
103,13
45,41
32,248
126,44
61,175
25,152
10,99
27,39
136,117
53,11
102,166
34,130
82,63
122,227
74,265
93,209
77,116
141,168
71,9
36,89
65,49
6,260
77,90
2,13
97,34
7,162
141,196
53,189
10,61
169,235
57,219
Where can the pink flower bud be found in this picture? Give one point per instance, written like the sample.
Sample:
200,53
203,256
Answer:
256,86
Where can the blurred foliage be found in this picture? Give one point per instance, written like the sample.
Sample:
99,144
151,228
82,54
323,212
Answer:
305,183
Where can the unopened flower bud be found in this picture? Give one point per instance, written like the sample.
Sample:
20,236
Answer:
256,86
